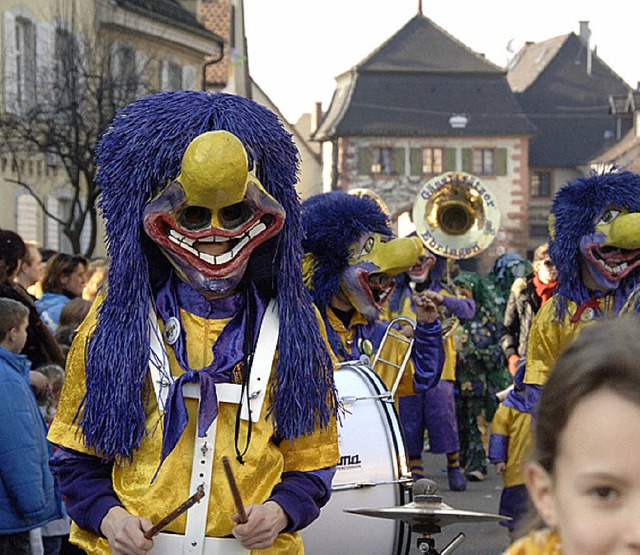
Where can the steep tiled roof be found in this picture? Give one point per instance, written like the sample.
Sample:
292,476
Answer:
421,104
169,11
423,46
625,153
530,62
414,82
570,107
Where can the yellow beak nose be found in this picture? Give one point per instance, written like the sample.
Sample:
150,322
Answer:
624,232
397,256
214,171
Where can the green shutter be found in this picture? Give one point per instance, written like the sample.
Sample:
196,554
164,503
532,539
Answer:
398,161
467,160
449,159
364,161
415,158
501,161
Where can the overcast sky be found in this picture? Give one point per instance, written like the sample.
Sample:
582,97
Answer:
298,47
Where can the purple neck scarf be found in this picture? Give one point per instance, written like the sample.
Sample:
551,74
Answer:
228,351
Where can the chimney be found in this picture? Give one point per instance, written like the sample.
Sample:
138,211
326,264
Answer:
585,36
316,116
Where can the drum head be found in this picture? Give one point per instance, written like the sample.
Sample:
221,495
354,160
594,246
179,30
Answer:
370,473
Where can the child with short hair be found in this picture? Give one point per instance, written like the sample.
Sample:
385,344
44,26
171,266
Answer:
27,490
583,477
509,446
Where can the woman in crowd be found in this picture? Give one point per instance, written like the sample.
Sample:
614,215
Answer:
64,279
41,348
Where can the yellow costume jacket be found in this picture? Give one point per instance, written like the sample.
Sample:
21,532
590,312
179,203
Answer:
548,336
427,351
540,542
265,460
516,426
450,356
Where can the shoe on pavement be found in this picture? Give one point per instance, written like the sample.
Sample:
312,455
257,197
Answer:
457,481
476,476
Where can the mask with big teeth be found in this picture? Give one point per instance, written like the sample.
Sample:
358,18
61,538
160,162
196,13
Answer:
419,272
368,281
213,216
612,251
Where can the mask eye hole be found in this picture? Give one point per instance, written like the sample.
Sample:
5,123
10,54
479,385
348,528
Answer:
235,215
608,216
195,217
368,245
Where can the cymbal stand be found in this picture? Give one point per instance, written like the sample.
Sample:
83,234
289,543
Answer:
427,545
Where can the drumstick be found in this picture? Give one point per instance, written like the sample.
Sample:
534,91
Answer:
199,494
235,492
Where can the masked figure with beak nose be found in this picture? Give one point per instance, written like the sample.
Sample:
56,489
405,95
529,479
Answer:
176,365
349,264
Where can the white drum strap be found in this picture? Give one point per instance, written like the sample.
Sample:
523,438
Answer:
203,452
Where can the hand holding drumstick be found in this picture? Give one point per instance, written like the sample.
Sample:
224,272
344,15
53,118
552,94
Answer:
257,526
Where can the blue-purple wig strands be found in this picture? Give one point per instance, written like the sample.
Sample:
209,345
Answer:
576,209
137,156
332,223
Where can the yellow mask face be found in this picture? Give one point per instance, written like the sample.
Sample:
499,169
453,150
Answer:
612,251
213,216
376,259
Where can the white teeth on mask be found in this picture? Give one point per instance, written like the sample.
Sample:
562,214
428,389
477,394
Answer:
214,239
256,229
182,242
186,244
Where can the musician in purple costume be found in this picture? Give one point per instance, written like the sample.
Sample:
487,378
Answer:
176,364
349,264
434,409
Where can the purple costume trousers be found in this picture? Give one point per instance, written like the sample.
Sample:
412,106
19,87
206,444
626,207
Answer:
435,411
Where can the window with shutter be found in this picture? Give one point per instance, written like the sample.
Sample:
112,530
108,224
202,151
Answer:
484,161
398,161
467,160
25,52
432,160
27,217
364,161
501,161
382,161
415,161
449,159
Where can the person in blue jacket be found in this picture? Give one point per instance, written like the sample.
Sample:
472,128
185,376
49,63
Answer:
28,497
64,279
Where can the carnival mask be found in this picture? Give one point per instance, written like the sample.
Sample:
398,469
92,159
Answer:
612,251
213,216
375,259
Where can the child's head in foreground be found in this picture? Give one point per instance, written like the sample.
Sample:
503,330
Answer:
584,478
14,319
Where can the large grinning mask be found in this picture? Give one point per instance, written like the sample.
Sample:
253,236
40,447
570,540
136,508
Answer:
612,251
375,259
213,216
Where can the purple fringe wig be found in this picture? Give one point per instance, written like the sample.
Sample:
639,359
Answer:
139,154
576,208
332,223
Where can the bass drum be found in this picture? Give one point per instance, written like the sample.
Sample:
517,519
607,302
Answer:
372,472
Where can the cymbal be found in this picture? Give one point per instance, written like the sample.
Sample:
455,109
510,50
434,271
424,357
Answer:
427,514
